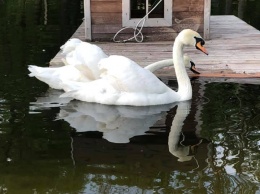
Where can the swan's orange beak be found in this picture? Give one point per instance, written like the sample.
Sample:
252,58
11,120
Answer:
201,48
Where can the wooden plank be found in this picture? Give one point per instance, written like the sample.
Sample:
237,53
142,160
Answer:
187,5
188,18
106,7
232,52
108,12
114,28
181,15
106,18
87,20
151,37
108,0
229,75
207,13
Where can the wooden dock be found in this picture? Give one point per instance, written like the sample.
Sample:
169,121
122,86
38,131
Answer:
234,50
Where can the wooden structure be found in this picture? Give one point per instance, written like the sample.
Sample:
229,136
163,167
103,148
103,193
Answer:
103,18
233,50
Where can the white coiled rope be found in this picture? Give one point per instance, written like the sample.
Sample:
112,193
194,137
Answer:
137,30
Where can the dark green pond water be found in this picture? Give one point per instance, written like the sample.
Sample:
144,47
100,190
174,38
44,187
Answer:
208,145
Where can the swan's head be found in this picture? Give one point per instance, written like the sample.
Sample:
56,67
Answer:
190,64
191,38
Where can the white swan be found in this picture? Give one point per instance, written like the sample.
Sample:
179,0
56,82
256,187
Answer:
123,82
53,76
81,65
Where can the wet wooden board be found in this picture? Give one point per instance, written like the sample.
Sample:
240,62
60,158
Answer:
234,50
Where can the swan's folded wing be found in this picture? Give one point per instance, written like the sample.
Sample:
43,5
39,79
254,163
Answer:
123,82
99,91
54,77
70,45
90,55
127,76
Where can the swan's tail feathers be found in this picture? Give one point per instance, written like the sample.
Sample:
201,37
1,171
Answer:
40,71
34,70
70,45
45,75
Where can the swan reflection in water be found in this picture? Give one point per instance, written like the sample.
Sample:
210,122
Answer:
120,123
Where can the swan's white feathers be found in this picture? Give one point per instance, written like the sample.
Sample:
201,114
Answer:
124,83
127,76
116,80
80,65
70,45
88,55
54,76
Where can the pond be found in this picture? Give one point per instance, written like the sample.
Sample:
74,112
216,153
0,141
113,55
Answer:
210,144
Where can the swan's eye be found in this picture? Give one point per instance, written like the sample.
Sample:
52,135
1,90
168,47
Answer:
199,45
199,40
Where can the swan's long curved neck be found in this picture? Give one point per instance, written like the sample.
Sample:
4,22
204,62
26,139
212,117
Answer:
184,85
159,64
182,112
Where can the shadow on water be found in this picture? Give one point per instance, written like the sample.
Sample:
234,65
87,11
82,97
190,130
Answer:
208,145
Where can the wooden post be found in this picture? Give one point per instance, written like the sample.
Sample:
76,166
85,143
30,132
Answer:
207,11
241,8
87,19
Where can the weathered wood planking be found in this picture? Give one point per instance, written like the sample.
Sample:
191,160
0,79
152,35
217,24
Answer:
106,6
188,5
106,20
234,50
87,20
207,13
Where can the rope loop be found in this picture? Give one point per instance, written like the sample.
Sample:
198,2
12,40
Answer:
138,35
